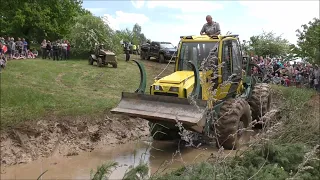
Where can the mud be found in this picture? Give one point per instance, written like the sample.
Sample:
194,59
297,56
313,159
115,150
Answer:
159,156
67,137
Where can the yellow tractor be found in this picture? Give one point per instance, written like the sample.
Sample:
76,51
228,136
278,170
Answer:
211,91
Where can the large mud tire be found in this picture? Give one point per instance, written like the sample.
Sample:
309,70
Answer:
234,114
161,58
160,133
260,101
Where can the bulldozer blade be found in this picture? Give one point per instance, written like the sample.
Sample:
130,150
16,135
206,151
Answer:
156,108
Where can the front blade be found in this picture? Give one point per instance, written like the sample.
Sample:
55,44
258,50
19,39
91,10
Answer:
157,108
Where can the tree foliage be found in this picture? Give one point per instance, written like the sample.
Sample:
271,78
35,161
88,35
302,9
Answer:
308,44
39,19
36,20
89,30
135,36
267,44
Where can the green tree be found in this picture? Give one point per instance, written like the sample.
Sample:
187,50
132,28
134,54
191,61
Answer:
267,44
308,44
89,30
138,37
38,19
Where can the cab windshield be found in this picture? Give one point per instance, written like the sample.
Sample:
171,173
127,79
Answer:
166,46
195,52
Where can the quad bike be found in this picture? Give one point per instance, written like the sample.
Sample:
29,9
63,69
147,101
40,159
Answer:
239,96
103,57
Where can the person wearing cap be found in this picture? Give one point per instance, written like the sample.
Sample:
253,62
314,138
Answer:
210,28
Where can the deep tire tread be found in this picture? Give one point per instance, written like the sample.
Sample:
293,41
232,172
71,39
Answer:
230,113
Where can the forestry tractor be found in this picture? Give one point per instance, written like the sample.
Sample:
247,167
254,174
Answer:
218,100
103,57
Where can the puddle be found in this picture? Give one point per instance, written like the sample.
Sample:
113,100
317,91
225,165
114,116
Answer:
78,167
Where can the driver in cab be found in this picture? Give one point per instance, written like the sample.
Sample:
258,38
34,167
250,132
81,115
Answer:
210,28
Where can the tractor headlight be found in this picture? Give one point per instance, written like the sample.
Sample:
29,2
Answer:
167,52
174,89
157,88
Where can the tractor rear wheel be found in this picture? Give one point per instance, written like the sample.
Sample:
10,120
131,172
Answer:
114,65
234,116
99,62
260,101
159,132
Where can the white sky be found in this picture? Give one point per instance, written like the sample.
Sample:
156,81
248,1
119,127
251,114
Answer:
281,17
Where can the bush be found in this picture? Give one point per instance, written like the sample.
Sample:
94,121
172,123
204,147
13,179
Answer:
89,30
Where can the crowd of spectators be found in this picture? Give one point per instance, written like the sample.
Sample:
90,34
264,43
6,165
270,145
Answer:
289,73
17,49
20,49
57,50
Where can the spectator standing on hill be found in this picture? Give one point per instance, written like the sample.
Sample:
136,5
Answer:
127,48
3,60
68,50
317,78
48,50
19,45
64,46
44,48
25,46
55,51
12,46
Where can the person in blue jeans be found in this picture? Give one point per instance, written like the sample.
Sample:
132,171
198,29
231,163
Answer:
25,47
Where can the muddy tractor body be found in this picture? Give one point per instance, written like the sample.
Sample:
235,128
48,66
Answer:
211,91
103,57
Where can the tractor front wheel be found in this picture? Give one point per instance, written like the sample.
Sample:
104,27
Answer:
90,62
159,132
99,62
142,55
234,117
161,58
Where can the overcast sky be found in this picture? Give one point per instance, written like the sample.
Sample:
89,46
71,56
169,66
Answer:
168,20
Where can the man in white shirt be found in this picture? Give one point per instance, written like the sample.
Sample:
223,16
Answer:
64,46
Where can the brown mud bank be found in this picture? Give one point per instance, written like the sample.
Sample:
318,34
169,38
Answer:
67,136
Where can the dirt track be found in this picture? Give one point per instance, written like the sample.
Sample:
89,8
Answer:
67,137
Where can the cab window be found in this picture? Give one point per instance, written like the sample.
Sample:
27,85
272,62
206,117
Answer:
196,52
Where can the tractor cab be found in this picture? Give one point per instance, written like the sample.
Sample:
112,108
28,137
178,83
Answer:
219,55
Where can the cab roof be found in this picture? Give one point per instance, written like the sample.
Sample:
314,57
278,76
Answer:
206,37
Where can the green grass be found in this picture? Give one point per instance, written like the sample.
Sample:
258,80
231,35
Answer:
300,116
32,89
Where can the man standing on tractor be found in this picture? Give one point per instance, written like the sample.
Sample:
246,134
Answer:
210,28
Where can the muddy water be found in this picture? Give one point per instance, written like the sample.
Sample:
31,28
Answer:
78,167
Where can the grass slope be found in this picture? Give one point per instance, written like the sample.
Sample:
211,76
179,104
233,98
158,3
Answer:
31,89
